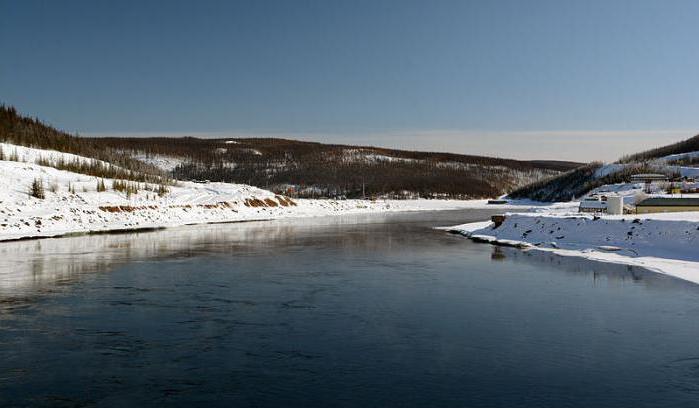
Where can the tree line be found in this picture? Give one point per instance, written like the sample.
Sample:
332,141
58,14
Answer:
31,132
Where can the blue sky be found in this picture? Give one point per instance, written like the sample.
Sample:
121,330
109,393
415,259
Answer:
547,79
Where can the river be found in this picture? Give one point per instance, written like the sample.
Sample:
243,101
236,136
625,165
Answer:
354,311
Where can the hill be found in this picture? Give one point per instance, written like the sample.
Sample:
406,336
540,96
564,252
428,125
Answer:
680,148
308,169
20,130
678,160
291,167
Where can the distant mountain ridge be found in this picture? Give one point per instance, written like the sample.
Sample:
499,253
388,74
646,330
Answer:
311,169
296,168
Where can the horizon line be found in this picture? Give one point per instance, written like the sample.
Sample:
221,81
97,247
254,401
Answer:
561,145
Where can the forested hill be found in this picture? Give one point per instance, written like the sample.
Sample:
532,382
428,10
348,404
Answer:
31,132
309,169
677,161
686,146
296,168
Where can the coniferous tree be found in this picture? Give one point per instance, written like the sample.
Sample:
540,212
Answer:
37,189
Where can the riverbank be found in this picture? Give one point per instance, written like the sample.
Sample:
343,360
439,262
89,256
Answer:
666,243
75,203
41,220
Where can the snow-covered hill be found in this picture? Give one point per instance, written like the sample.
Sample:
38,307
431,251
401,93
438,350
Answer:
583,180
73,204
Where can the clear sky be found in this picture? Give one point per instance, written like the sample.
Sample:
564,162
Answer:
526,79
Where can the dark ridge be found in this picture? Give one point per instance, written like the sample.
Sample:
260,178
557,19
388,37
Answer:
296,168
685,146
311,169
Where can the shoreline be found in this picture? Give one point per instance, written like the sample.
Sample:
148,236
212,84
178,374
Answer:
306,209
74,203
661,243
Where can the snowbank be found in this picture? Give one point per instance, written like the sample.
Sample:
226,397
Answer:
666,243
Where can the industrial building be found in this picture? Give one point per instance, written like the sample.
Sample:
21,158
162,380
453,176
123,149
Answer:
667,204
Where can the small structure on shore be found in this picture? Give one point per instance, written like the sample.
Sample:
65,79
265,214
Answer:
615,205
498,220
648,179
593,204
667,204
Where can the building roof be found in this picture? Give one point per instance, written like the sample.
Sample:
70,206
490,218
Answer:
593,204
649,176
669,202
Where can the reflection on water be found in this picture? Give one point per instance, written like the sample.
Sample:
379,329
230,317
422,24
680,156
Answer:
498,254
30,265
351,311
596,272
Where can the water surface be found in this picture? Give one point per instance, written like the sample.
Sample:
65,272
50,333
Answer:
363,311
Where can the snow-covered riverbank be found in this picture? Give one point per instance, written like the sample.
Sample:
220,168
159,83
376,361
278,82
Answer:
73,204
667,243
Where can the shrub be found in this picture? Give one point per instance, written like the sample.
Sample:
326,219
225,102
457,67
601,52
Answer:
162,190
119,185
37,189
42,161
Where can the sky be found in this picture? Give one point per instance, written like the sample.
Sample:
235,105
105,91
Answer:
570,80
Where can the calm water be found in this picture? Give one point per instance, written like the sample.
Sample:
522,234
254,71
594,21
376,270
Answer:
375,311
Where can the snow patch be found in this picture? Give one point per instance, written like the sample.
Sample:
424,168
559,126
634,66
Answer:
166,163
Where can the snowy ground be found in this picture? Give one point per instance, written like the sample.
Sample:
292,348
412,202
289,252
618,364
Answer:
666,243
64,212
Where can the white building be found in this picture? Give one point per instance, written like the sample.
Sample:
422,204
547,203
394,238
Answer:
615,205
593,204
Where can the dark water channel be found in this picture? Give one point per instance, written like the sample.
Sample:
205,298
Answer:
364,311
